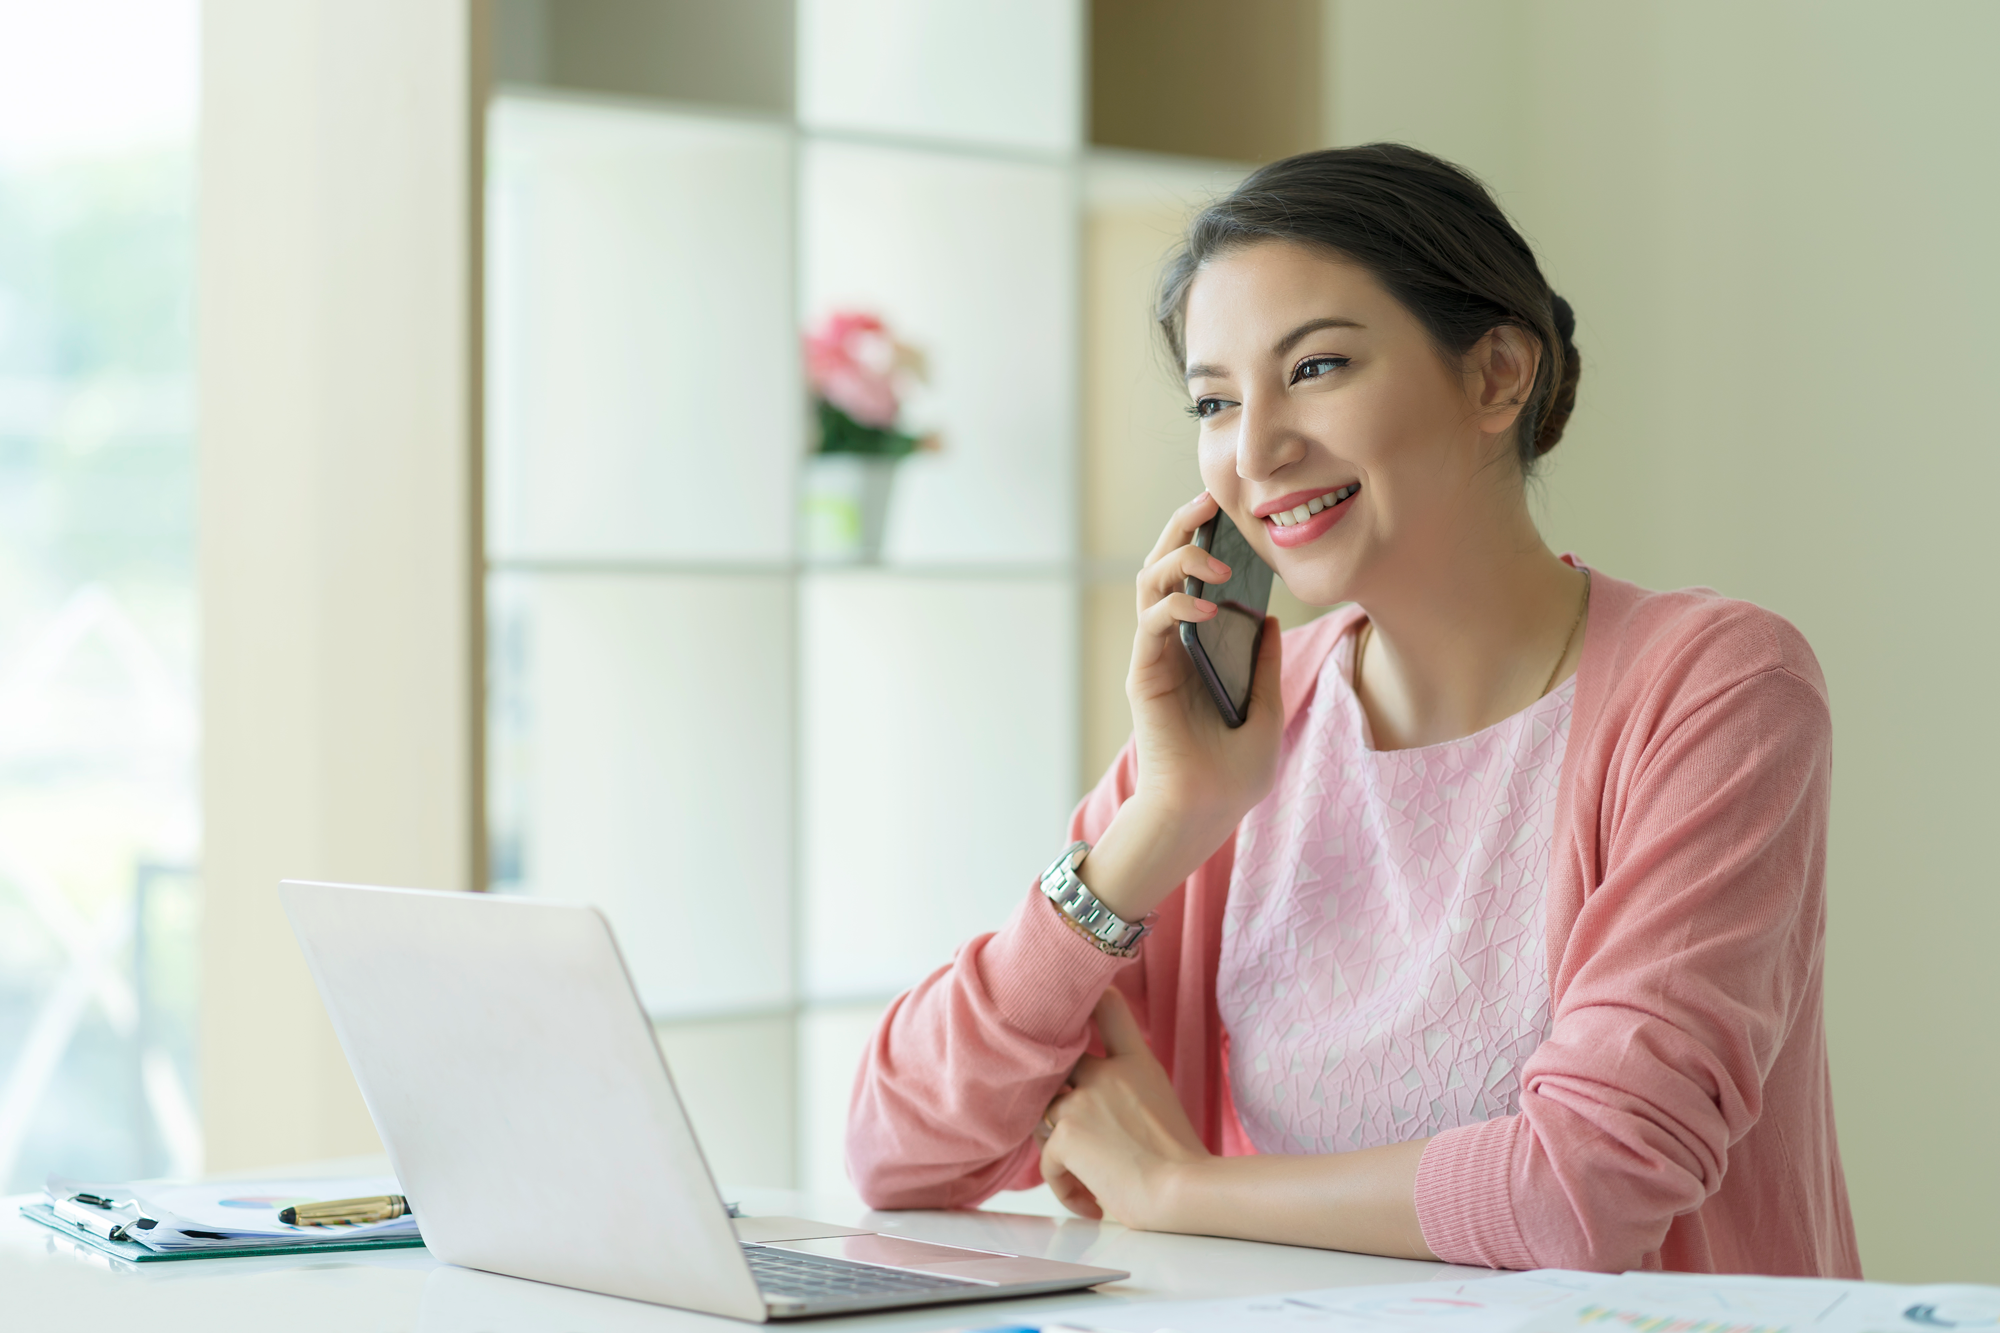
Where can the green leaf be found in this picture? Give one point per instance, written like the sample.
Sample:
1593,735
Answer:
840,433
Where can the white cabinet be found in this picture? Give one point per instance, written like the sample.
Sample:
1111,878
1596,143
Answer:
938,743
972,260
643,744
793,791
643,378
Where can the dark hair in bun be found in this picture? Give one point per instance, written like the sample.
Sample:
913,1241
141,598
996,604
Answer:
1429,232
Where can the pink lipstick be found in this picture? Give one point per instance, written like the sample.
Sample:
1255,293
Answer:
1305,516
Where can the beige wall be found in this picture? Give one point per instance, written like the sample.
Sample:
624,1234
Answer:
1776,224
339,393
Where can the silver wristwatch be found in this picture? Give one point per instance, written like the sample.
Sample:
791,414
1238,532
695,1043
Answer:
1111,932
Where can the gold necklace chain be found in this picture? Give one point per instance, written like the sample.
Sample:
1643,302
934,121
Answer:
1581,607
1368,636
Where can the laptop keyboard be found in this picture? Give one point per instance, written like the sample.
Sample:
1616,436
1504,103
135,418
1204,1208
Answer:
810,1277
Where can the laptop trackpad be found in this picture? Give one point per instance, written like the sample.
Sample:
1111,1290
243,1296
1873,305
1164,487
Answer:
891,1251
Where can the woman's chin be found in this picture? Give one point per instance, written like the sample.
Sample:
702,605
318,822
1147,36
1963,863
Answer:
1311,582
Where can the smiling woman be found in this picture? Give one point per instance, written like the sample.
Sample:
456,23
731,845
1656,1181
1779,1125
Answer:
1495,933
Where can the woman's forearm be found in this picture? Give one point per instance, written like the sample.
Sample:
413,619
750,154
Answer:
1363,1201
1145,855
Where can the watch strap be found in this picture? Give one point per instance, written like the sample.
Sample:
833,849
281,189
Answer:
1073,898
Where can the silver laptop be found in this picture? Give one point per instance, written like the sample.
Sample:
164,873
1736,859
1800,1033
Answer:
514,1079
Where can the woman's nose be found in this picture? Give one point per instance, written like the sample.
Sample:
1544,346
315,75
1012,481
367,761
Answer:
1268,440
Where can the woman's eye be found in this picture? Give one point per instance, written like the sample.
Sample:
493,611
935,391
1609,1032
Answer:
1317,367
1207,407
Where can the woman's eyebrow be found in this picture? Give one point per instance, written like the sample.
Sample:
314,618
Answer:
1285,343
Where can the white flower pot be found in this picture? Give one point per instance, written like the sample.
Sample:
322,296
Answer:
844,508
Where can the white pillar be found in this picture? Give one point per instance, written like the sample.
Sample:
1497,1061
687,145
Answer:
339,354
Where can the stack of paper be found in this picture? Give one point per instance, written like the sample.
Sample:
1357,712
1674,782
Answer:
1696,1303
1460,1305
1558,1301
222,1216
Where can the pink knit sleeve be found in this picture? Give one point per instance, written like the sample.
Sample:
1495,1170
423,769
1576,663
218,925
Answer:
963,1065
1682,976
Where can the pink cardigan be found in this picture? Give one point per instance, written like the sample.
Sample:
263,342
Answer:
1679,1116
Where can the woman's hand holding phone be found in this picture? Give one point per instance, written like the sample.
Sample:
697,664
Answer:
1198,777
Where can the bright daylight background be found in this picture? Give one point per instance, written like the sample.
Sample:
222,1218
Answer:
99,827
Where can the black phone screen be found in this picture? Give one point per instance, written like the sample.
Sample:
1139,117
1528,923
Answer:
1224,649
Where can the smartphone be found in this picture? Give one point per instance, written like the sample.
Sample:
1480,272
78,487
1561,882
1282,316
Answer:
1224,647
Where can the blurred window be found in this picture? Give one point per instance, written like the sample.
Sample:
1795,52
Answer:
99,817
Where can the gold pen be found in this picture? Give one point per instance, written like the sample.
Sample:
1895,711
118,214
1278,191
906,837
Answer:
346,1212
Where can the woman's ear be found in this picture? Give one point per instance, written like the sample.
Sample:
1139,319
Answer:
1501,374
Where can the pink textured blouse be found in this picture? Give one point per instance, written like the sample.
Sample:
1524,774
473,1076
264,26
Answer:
1679,1115
1382,975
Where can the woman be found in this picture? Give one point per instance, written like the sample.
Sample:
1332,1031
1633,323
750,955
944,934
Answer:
1495,934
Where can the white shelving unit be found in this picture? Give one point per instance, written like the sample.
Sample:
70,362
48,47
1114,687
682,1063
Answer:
795,790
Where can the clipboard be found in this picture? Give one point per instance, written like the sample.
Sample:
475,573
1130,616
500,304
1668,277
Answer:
131,1251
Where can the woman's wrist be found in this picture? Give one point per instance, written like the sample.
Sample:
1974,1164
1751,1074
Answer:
1142,855
1178,1197
1363,1201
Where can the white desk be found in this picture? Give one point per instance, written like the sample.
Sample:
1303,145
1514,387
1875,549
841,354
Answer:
48,1283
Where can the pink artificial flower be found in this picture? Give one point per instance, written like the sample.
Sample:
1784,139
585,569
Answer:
853,363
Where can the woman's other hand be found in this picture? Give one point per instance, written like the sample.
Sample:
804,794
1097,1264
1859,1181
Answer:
1198,777
1119,1132
1120,1146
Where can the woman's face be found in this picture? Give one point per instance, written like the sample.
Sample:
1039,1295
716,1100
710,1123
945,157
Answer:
1332,431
